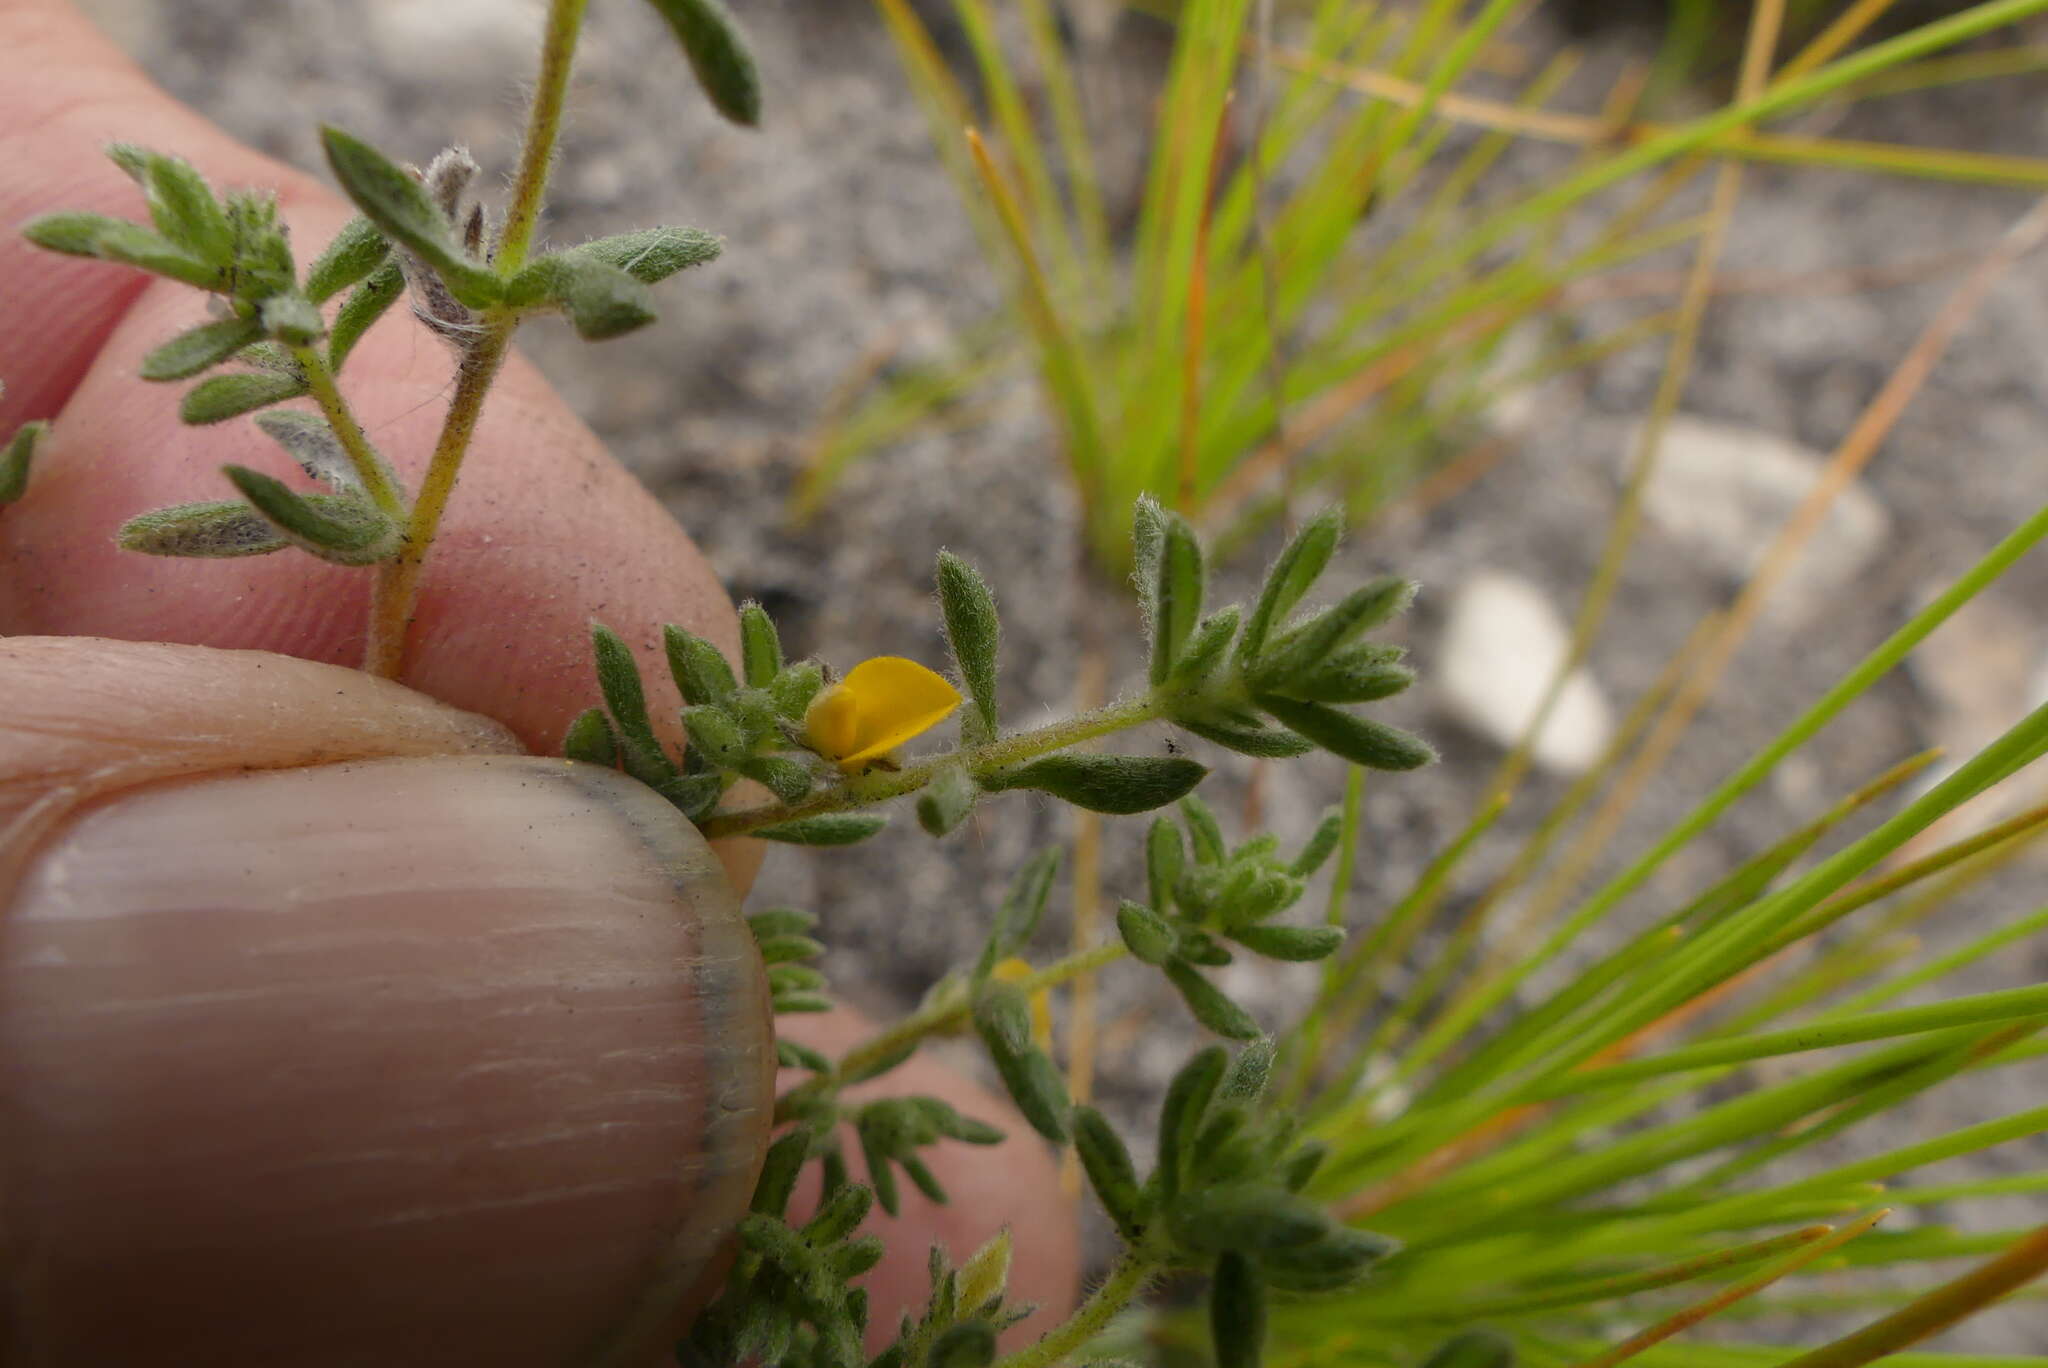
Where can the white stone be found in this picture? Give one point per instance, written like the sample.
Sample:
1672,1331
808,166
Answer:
1503,643
468,40
1723,492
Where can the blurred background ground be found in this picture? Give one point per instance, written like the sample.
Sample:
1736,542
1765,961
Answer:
846,241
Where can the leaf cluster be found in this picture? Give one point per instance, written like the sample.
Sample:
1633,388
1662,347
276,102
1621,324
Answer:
1225,1197
740,726
1202,892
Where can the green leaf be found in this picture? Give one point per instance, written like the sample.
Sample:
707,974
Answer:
713,731
701,673
1203,830
1183,1110
356,251
1145,933
1110,1172
208,531
1264,742
200,348
1474,1349
832,829
221,397
1203,653
760,645
1360,740
1035,1085
1208,1003
1334,1262
334,527
1321,844
779,1174
794,689
788,948
787,779
292,318
1295,944
601,300
1306,648
1300,1166
181,203
781,921
1362,675
618,679
17,458
718,53
1022,908
970,1344
947,800
839,1216
652,255
1002,1017
1294,572
397,203
1250,1071
1176,595
591,740
1120,784
308,440
694,795
1165,857
1148,536
973,631
1237,1313
363,307
790,1055
130,244
1251,1217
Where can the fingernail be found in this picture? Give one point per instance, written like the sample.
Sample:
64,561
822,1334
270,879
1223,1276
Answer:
406,1061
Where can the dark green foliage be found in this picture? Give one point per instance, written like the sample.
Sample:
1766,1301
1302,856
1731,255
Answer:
200,348
1002,1017
340,528
357,250
652,255
365,304
17,458
831,829
221,397
1021,910
393,199
212,531
600,299
973,632
1120,784
1474,1349
718,53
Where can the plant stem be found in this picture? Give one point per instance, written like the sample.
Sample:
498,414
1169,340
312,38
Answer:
543,126
396,594
376,477
398,580
981,761
945,1015
1123,1285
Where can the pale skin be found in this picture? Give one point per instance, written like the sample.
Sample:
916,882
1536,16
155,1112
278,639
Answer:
588,1272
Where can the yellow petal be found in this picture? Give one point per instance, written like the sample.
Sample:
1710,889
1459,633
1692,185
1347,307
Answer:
878,706
832,722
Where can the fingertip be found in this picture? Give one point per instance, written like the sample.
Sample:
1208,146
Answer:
441,1061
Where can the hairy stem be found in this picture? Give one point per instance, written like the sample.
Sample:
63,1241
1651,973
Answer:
398,580
396,594
869,789
949,1013
377,479
1118,1290
543,127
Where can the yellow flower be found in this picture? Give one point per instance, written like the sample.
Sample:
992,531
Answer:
1015,970
878,706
